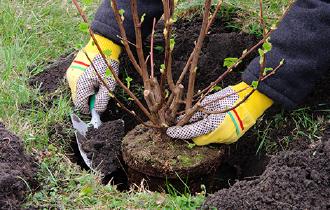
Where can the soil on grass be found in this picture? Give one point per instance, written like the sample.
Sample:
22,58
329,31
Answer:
53,75
17,171
292,180
159,159
241,160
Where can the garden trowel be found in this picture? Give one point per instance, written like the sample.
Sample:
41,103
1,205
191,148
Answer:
81,129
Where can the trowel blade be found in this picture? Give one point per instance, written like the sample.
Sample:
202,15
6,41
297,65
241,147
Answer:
79,125
81,138
81,129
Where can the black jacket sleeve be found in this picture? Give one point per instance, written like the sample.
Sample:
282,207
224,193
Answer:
105,23
303,41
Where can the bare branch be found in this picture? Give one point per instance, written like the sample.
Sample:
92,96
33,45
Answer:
211,21
139,44
124,36
119,82
197,50
168,51
112,95
152,64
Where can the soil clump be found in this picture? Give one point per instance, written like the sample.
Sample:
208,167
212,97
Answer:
161,160
53,75
18,171
292,180
102,146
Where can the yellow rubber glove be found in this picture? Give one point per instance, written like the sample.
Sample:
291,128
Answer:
83,80
224,128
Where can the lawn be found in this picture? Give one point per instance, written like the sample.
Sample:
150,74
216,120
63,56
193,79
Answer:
33,33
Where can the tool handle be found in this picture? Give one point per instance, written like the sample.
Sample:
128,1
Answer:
96,121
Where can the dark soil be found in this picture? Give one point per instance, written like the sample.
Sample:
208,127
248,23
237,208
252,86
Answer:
103,146
160,160
53,75
241,160
17,171
292,180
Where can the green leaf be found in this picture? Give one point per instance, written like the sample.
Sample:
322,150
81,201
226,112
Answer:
128,81
107,52
162,68
83,27
261,54
191,145
266,70
216,88
142,17
87,190
228,62
159,48
172,43
255,84
108,73
121,13
88,2
267,46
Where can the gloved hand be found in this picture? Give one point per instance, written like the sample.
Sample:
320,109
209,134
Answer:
83,80
227,127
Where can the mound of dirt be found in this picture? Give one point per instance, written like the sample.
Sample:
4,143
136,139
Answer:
158,159
103,146
17,171
50,79
292,180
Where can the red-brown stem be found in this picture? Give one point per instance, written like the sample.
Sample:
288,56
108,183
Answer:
185,69
234,107
211,21
242,101
214,15
261,77
176,102
124,37
168,52
197,106
272,72
262,23
223,97
197,50
152,64
245,98
121,105
221,77
139,44
119,82
261,19
209,88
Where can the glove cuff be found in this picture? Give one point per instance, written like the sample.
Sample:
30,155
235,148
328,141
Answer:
105,44
256,104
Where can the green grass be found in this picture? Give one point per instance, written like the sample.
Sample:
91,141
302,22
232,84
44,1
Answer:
246,12
277,132
35,32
